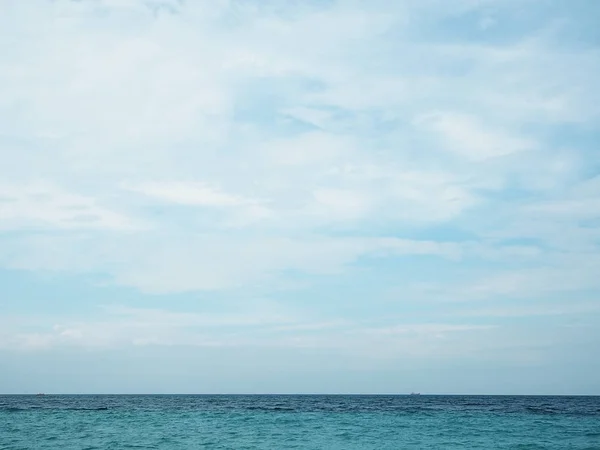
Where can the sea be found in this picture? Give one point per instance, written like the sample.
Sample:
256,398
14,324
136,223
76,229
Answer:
81,422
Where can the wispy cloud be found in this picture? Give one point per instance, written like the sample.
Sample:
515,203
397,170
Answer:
42,205
467,138
194,194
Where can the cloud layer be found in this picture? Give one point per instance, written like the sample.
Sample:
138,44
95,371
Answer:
350,162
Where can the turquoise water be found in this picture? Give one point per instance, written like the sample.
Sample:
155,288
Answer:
299,422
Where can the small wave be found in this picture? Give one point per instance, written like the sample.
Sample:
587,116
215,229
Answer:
14,409
269,408
136,446
542,410
97,408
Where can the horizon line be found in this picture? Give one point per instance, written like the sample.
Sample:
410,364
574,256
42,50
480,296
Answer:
302,394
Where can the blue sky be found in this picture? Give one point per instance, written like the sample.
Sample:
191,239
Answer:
321,196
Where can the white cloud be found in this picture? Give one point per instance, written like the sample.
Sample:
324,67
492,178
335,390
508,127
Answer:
308,149
566,275
341,204
581,201
465,136
539,310
195,194
269,124
42,205
204,262
252,326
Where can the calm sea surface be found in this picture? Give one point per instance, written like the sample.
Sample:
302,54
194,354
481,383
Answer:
316,422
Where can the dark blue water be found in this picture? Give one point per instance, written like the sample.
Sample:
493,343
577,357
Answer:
316,422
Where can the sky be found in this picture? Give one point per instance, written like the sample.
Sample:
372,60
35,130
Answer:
318,196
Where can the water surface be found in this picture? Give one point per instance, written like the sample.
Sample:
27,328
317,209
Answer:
298,422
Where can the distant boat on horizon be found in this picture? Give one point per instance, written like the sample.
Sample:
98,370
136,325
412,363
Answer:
415,393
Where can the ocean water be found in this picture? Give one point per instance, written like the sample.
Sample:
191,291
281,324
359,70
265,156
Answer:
298,422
